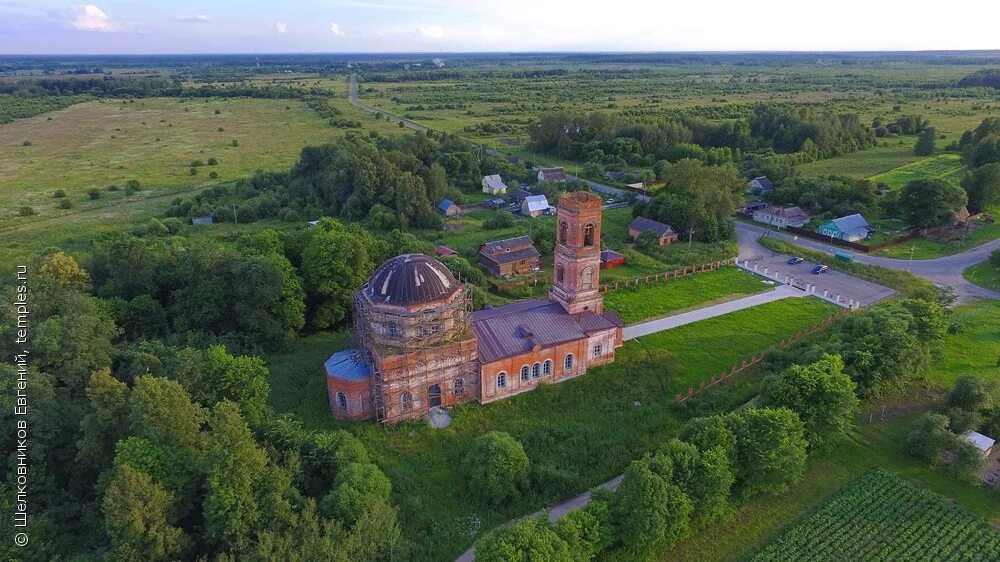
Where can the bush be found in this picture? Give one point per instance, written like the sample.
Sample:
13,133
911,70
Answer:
995,258
213,174
217,112
357,486
495,467
112,187
525,539
503,219
58,194
26,211
197,163
212,161
221,129
94,193
235,142
65,204
971,393
193,171
26,143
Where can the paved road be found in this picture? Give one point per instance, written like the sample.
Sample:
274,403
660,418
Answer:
833,282
669,322
945,271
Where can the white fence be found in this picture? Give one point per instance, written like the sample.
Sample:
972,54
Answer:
799,283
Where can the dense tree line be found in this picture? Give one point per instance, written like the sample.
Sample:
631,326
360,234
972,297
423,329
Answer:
141,87
988,77
156,450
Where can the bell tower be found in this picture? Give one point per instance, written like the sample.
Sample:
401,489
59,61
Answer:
577,265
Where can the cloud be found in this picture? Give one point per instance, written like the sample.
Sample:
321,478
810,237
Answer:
281,27
335,29
92,18
197,18
431,31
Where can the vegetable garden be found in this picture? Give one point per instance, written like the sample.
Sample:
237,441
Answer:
884,517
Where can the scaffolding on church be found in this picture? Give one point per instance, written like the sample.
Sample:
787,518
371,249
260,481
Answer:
421,337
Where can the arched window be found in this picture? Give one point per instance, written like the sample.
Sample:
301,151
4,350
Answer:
568,362
459,387
563,227
406,401
536,370
547,367
587,278
502,380
560,273
524,373
598,350
341,401
392,329
588,235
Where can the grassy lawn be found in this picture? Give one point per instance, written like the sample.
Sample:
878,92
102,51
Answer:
982,233
577,433
943,166
864,163
94,144
660,298
984,275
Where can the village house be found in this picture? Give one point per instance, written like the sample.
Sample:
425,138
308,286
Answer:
510,257
851,228
493,185
449,208
665,234
420,348
535,206
551,174
760,185
611,259
781,217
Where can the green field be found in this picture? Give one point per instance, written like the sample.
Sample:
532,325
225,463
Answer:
577,433
884,517
984,275
942,166
923,248
864,163
99,143
664,297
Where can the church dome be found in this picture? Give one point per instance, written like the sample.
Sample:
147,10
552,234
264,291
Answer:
411,279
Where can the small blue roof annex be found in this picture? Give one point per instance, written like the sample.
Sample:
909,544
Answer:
347,364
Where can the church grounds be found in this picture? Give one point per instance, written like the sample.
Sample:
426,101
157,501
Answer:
577,434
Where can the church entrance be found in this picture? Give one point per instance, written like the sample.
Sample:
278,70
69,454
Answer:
434,395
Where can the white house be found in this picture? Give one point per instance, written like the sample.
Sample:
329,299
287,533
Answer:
781,216
535,206
493,185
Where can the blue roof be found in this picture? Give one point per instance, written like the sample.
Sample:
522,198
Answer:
347,365
446,204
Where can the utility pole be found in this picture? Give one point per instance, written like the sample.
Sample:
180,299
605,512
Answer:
235,220
910,261
690,237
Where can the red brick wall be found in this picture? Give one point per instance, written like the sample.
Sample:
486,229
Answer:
358,394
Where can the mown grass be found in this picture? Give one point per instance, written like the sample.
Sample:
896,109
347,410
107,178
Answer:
865,163
941,166
577,433
662,297
923,248
983,274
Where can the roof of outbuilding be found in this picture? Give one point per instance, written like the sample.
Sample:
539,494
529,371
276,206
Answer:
643,224
982,442
764,182
552,174
516,328
608,255
537,202
445,204
411,279
494,181
347,365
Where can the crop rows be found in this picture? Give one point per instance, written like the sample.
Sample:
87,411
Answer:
883,517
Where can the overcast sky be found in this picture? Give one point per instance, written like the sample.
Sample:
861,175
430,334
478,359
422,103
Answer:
240,26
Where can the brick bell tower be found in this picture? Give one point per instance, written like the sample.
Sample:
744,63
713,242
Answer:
576,278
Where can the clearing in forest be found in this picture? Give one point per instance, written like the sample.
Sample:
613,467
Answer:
942,166
884,517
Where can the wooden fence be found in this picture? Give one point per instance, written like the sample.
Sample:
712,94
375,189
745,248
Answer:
664,276
747,364
864,248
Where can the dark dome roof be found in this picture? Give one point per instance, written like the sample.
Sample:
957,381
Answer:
411,279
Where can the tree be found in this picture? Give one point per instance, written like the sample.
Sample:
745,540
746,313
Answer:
707,433
648,511
269,299
335,262
135,515
61,269
925,142
102,427
356,488
961,421
587,530
928,436
525,540
880,348
770,450
213,375
931,202
172,468
705,476
494,467
982,185
821,394
971,393
161,410
700,196
75,340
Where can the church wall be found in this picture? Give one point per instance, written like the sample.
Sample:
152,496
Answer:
416,371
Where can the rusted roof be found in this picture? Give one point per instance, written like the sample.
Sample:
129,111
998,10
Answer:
411,279
513,255
516,328
506,245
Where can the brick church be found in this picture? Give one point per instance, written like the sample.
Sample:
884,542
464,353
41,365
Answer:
419,345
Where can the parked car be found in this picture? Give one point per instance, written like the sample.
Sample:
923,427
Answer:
795,260
820,268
